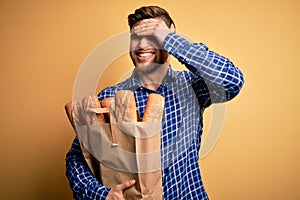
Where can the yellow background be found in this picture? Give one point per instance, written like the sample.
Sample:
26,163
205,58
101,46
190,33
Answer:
43,43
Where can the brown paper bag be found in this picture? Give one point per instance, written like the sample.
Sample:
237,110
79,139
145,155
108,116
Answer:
120,151
76,112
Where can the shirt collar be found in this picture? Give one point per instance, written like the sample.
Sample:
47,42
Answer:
134,81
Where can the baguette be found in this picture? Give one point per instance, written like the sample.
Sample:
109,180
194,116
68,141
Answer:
93,102
154,108
107,103
69,112
75,113
125,107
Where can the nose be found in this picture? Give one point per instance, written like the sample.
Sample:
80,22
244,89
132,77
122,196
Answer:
143,43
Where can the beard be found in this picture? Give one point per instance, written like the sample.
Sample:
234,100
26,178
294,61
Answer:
161,56
148,69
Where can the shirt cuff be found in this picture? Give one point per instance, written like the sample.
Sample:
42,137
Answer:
105,192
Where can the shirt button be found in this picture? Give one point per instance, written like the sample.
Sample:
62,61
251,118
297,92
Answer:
187,60
170,48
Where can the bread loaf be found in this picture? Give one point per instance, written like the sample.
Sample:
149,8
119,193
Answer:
125,107
107,103
92,102
154,108
69,112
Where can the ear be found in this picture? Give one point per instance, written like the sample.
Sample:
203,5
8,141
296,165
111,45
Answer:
172,28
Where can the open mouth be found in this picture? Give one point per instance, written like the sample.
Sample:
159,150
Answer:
144,55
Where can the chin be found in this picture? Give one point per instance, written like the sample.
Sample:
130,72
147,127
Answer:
149,68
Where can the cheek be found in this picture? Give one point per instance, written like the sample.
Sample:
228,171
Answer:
163,56
131,50
133,45
133,58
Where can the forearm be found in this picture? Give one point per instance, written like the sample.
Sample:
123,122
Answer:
216,70
82,182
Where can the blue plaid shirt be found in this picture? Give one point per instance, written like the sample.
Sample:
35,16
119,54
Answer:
210,78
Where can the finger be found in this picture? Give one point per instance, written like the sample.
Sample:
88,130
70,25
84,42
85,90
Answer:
150,29
147,28
150,25
126,185
144,31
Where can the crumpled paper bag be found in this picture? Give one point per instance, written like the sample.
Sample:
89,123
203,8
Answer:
118,151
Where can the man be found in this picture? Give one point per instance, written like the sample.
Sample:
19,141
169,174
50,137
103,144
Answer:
209,78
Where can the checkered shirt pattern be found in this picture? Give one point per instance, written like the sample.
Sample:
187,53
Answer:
210,78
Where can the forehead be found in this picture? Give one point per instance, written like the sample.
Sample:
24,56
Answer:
145,21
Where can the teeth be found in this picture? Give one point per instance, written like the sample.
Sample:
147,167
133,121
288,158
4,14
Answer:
145,54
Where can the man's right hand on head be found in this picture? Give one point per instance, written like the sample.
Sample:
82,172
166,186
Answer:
153,27
116,193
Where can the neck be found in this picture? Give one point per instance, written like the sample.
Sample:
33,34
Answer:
154,79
